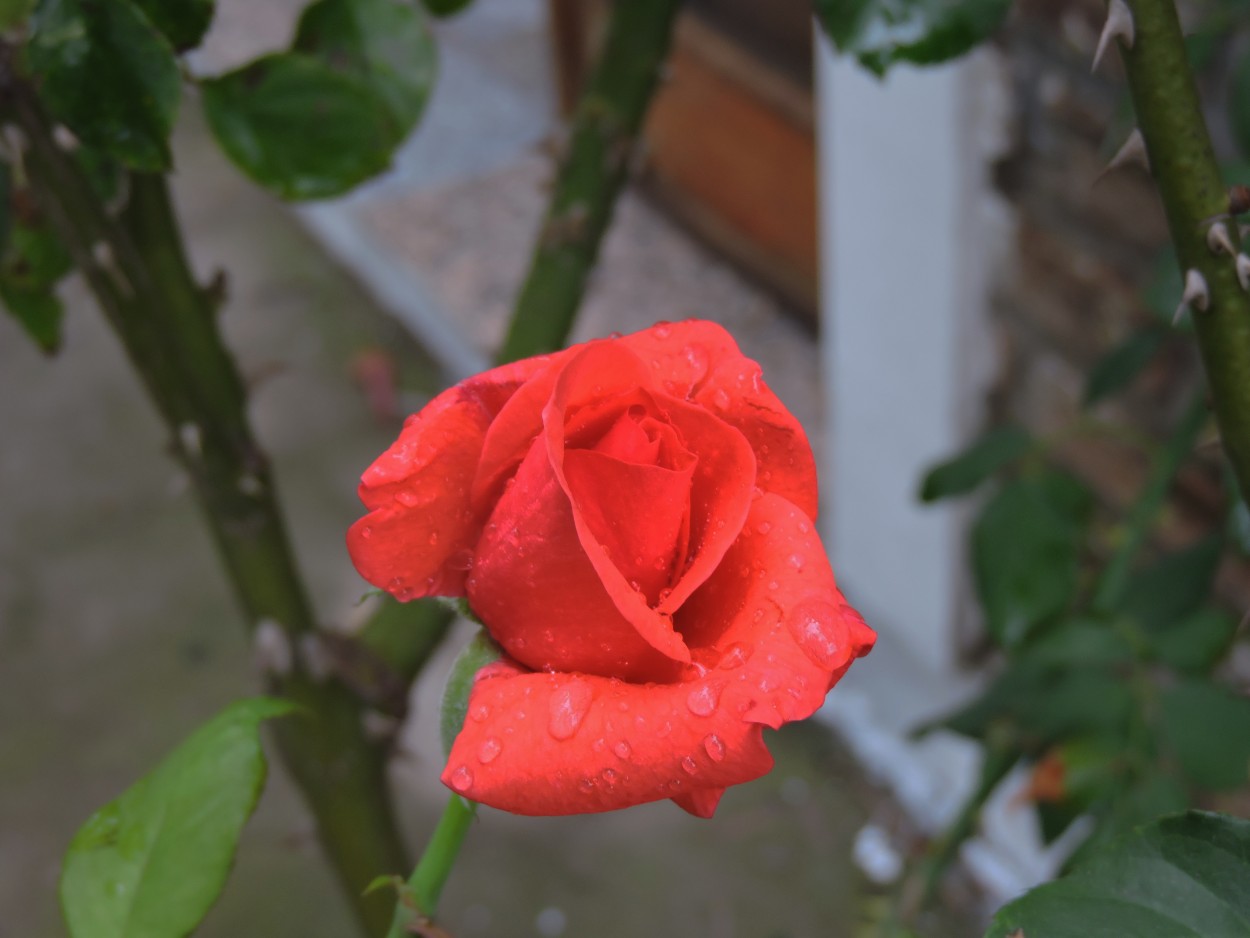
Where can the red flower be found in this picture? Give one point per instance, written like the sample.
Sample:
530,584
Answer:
632,520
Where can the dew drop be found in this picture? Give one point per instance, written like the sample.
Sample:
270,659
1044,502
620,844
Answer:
689,766
461,560
665,594
622,749
609,777
763,527
586,786
773,584
635,586
433,538
759,614
407,499
815,628
804,527
489,750
366,532
703,700
662,330
736,656
599,744
721,399
478,713
462,779
797,561
714,748
568,707
664,730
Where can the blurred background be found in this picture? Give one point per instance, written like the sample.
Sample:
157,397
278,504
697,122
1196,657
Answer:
909,260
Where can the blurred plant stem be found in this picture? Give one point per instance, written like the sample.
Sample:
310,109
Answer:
1170,117
605,127
137,269
425,885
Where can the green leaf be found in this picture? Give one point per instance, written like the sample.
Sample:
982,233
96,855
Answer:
1078,641
109,75
923,32
963,473
39,312
299,127
446,7
1197,643
1208,729
1025,551
151,863
1239,104
476,655
183,22
1181,877
1122,364
383,43
1159,596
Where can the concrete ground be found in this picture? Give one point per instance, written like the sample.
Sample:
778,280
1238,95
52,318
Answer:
118,634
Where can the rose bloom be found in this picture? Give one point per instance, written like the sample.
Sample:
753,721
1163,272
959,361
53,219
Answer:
632,521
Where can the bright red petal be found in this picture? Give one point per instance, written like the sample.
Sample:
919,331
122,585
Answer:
700,361
549,744
418,537
773,616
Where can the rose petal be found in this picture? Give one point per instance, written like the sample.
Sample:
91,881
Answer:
552,744
544,601
419,534
700,361
773,618
638,513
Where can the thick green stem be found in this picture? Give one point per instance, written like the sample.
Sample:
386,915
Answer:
1169,115
605,126
137,269
419,902
1149,504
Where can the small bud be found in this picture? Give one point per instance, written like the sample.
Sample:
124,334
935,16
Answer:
1219,241
271,649
1119,25
1238,200
1132,153
1196,296
1243,271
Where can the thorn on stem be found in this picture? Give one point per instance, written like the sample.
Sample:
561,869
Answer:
271,649
191,438
1196,296
1131,153
1119,25
1219,241
1243,271
64,138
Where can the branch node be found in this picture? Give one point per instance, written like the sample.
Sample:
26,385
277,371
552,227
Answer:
1119,25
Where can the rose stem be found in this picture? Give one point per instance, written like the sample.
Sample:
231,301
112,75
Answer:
136,267
425,885
1169,115
605,127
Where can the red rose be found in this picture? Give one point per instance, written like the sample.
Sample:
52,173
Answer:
632,521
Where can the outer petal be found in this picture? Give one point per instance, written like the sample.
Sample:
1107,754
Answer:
700,361
774,617
548,744
418,537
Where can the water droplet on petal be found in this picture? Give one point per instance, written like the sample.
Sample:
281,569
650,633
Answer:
461,560
736,655
407,499
816,628
433,538
763,527
721,399
665,594
622,749
804,527
664,730
586,786
478,713
609,777
462,779
366,532
797,561
599,744
702,700
568,707
689,766
714,748
489,750
662,330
